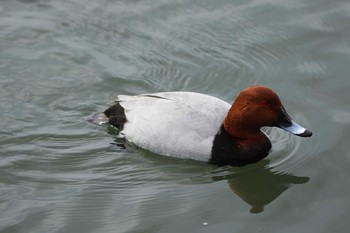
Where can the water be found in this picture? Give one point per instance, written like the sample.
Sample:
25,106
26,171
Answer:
61,61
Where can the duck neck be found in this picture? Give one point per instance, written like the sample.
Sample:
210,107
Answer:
246,134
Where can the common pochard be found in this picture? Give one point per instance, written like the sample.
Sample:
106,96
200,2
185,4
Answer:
201,127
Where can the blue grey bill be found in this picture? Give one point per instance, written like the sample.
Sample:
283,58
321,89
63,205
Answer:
298,130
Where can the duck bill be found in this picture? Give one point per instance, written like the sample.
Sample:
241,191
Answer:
296,129
291,126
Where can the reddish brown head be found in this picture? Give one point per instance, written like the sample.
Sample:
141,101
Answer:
255,107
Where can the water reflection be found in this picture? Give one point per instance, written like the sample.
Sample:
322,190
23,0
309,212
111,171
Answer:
258,185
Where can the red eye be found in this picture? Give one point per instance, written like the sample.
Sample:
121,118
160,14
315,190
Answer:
264,102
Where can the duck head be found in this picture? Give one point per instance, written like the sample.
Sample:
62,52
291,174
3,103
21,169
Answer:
259,106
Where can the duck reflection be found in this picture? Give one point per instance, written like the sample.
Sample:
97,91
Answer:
258,185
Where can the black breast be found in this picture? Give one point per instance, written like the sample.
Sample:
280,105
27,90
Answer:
227,151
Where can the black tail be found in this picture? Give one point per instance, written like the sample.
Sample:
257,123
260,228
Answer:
116,116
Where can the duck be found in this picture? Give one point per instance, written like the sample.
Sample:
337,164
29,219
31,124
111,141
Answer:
197,126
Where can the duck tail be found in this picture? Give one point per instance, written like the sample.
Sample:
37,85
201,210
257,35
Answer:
115,116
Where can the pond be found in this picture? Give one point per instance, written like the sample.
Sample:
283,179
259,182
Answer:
63,61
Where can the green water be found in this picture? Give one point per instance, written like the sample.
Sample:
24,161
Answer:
62,61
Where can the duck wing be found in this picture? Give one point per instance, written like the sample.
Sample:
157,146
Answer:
179,124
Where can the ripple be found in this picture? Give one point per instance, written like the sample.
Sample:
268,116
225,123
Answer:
285,148
61,61
9,161
291,153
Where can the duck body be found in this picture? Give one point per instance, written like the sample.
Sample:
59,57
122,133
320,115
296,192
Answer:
201,127
178,124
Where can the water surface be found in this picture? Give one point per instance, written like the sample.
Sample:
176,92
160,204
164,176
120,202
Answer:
62,61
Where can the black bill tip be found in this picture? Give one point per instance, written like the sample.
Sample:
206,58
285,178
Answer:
306,133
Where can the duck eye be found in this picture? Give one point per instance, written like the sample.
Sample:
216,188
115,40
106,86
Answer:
264,102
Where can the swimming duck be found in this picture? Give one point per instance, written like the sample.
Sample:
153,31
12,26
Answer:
202,127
